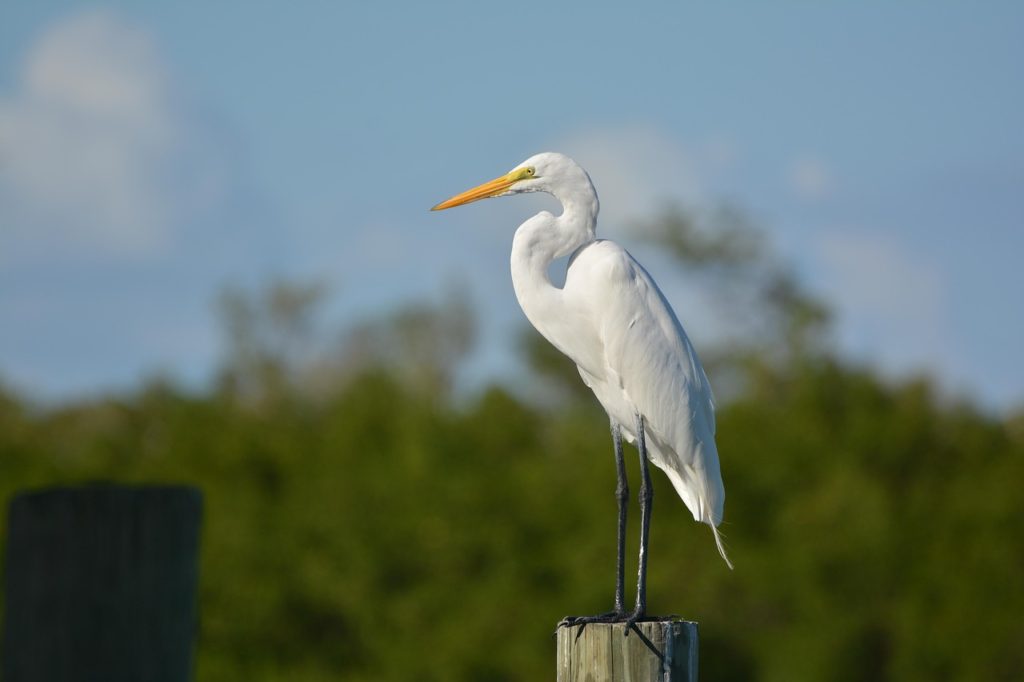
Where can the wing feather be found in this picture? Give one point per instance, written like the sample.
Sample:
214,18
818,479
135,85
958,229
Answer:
651,368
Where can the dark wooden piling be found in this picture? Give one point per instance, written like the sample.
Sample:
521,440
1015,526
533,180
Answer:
101,584
603,653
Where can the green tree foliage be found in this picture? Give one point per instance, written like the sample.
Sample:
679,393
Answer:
372,529
269,337
420,345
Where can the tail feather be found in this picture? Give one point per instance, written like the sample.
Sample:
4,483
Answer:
694,488
721,547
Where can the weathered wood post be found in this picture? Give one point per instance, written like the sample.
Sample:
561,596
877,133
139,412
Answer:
101,584
603,653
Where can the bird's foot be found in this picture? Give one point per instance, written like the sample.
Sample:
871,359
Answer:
617,616
580,622
630,618
637,616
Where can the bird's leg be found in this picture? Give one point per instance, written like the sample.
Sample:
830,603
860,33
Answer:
622,496
646,498
618,614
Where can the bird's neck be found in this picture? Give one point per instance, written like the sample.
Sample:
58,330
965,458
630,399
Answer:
537,243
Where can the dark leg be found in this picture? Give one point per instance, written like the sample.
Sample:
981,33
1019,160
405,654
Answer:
646,500
622,496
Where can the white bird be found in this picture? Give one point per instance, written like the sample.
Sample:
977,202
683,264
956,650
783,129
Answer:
611,319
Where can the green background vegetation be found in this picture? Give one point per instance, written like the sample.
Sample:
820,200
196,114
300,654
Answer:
364,521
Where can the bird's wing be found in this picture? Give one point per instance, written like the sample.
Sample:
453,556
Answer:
650,361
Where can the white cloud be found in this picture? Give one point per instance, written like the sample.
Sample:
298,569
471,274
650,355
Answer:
893,305
810,179
92,145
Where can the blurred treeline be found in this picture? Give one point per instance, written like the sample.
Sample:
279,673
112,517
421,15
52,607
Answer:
366,521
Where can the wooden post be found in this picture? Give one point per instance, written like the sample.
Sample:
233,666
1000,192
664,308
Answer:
101,584
603,653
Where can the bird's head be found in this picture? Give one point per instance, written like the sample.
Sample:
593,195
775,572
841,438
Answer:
546,172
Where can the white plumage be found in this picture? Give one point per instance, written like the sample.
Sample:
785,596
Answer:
611,319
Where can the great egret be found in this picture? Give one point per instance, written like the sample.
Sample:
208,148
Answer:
612,321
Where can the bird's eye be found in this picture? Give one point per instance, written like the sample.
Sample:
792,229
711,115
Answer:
530,172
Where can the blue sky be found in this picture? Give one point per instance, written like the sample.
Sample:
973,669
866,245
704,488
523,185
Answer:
152,153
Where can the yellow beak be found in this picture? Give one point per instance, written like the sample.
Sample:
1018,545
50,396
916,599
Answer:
494,188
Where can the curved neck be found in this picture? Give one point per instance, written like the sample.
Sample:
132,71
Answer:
537,243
